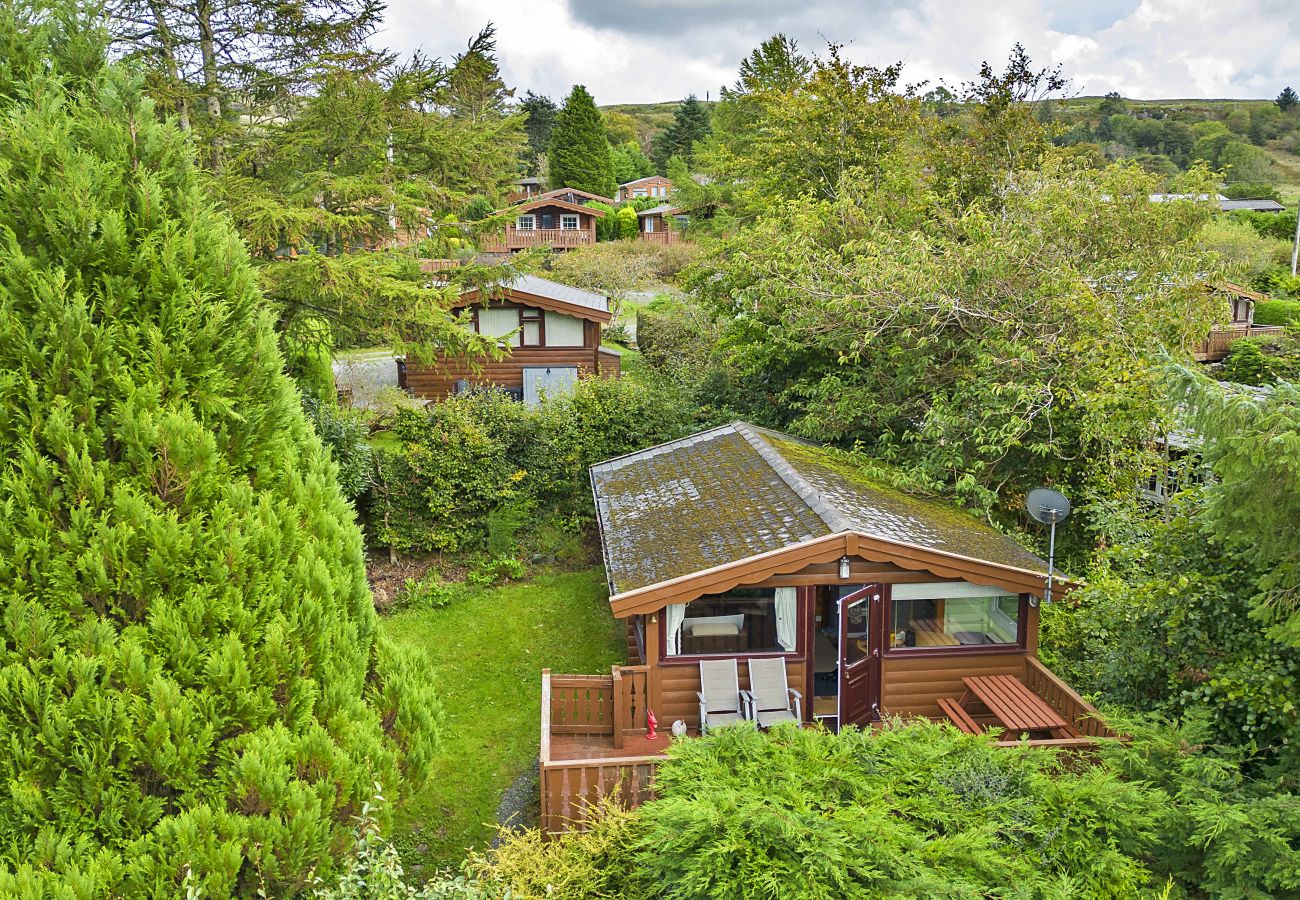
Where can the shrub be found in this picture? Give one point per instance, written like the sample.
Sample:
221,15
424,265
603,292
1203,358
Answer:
911,811
191,676
1270,225
921,810
429,592
451,474
373,870
345,434
628,223
495,570
1277,312
478,208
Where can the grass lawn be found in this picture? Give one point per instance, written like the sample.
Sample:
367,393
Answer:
487,649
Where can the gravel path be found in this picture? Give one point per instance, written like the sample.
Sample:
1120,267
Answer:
364,373
518,807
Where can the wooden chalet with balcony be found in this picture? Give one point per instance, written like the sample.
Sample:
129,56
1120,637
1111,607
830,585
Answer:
661,224
645,188
559,219
526,188
1241,324
551,333
754,549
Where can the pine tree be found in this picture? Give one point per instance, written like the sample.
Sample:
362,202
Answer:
1287,100
541,112
579,150
191,678
690,124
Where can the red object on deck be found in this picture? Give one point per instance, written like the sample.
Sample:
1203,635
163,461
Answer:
650,722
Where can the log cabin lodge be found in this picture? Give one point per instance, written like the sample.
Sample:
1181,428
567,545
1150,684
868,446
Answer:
552,334
743,543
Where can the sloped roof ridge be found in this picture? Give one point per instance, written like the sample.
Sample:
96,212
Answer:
834,519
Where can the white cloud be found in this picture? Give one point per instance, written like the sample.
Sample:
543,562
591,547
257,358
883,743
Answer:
632,51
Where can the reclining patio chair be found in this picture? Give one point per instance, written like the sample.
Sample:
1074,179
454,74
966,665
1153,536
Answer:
769,696
719,693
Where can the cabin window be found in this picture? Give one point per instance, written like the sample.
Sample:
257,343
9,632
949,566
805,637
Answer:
530,331
526,223
639,192
744,621
563,331
568,223
649,224
498,322
952,615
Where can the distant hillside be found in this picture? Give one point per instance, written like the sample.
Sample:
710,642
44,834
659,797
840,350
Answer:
651,118
1162,135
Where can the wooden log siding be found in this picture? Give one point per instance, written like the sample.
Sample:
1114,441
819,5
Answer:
436,381
613,704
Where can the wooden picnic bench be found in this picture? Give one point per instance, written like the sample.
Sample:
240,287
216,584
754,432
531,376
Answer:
959,716
1015,707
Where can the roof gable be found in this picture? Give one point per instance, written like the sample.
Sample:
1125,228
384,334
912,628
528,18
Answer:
731,494
547,294
544,200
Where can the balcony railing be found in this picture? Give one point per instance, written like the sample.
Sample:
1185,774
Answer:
524,238
660,237
593,745
1222,337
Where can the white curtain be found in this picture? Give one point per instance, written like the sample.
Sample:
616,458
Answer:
497,322
787,617
674,615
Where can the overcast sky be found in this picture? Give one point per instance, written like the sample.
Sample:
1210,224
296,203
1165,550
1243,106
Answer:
642,51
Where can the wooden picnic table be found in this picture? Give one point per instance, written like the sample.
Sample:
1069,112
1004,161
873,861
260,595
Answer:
1016,707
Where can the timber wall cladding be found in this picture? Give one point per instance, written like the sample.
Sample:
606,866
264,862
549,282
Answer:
912,686
675,697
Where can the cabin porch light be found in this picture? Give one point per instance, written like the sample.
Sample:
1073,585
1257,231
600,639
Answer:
844,568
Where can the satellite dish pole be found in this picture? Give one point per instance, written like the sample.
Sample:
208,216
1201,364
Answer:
1048,507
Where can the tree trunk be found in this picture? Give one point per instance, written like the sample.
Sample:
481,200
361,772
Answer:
211,79
167,49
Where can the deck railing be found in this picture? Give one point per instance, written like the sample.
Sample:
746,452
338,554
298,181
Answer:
1073,708
522,238
1222,337
670,236
614,705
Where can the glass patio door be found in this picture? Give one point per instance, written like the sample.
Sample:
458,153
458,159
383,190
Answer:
859,656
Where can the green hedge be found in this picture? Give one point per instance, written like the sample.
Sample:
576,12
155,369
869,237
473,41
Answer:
1277,312
458,466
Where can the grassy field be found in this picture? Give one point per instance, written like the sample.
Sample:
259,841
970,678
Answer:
487,650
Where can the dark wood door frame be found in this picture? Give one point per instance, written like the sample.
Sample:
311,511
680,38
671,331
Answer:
858,693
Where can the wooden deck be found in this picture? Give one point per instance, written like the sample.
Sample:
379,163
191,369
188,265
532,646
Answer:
594,747
566,747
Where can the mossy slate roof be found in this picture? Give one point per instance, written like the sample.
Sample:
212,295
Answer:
724,495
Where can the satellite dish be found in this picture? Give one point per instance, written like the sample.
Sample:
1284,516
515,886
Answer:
1047,506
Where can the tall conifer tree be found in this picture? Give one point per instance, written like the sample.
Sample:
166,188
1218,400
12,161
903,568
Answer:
191,678
579,154
690,124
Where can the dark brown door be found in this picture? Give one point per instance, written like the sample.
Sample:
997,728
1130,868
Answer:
860,620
